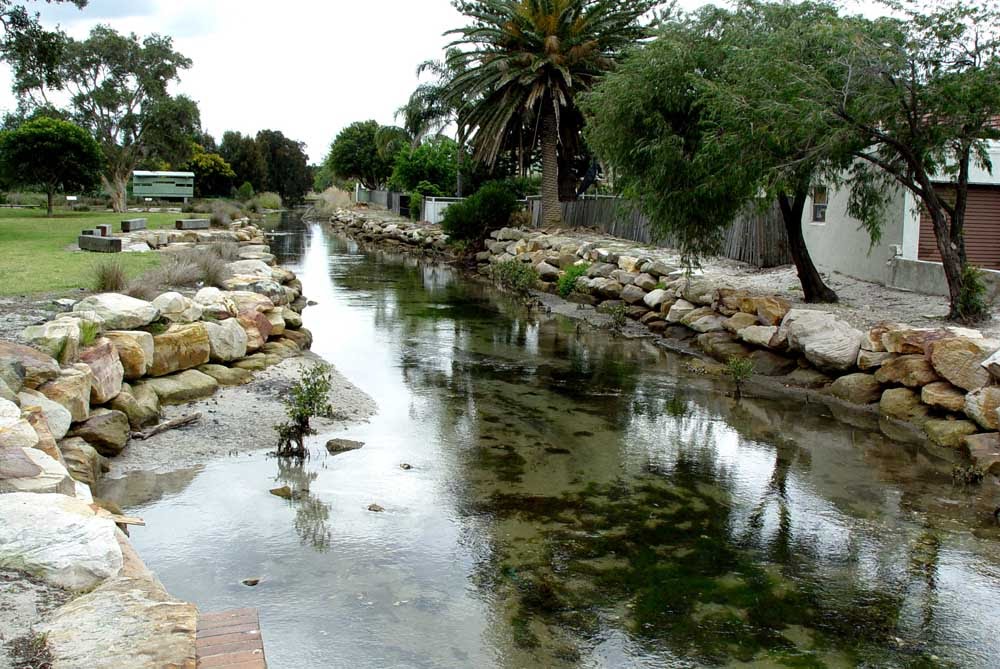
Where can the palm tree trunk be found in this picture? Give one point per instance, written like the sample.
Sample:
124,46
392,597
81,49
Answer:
551,210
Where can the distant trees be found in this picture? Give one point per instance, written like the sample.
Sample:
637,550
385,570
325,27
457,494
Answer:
213,175
53,155
288,172
355,154
118,90
434,162
246,158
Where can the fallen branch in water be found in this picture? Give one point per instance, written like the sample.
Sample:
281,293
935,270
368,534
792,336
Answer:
169,425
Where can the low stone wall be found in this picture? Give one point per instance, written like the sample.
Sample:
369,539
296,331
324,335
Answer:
942,381
74,396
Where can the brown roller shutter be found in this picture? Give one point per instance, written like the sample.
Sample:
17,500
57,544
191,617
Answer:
982,228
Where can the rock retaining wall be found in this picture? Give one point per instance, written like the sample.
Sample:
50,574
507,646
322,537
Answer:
73,397
942,381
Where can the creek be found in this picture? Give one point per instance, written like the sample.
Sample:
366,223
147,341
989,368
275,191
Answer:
572,499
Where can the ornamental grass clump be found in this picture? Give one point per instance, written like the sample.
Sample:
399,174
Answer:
514,275
110,276
739,370
309,398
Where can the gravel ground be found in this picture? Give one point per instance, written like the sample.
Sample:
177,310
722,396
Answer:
24,603
18,312
237,419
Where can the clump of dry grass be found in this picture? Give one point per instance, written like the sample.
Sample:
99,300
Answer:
228,251
189,268
224,213
110,276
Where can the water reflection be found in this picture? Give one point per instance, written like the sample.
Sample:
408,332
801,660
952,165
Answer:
575,501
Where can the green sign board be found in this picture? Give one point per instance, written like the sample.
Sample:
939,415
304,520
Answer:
162,184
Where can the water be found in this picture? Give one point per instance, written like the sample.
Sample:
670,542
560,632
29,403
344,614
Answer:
573,500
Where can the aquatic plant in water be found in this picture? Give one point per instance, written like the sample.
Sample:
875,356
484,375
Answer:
309,398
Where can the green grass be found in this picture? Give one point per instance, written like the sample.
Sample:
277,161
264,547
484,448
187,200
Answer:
34,255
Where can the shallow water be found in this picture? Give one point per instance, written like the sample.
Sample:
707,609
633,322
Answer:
574,500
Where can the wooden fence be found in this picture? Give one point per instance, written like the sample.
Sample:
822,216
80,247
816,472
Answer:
755,237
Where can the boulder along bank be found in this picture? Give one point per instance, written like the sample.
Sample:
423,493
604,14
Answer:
934,385
74,396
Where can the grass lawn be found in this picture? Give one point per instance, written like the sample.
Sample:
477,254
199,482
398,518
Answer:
34,255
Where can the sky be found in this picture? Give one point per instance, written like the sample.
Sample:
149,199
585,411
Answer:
305,67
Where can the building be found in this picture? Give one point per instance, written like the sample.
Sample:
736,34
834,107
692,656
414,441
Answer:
162,185
907,255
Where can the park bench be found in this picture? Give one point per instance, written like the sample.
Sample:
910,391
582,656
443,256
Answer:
134,224
104,229
98,244
91,233
192,224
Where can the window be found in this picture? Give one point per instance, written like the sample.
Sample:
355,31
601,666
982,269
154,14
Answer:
820,200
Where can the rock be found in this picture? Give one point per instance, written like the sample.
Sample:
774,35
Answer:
257,269
71,390
37,367
58,539
547,272
106,369
767,363
606,288
126,622
872,339
629,263
722,346
337,446
6,393
623,277
646,282
983,450
293,319
656,298
227,340
764,336
16,432
180,347
83,462
868,360
108,431
46,440
257,328
180,388
227,376
949,433
960,361
284,492
250,582
375,508
699,290
943,395
252,363
659,268
981,406
135,351
178,309
992,365
808,378
302,338
12,374
277,322
29,470
57,416
600,270
633,295
705,322
120,312
912,371
857,388
827,342
910,341
679,310
903,404
769,310
140,414
264,287
59,338
739,321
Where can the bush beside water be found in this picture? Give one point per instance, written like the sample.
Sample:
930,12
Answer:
489,209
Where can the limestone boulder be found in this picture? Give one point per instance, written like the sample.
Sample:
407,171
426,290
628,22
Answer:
151,630
704,320
656,298
872,339
646,281
547,272
869,360
83,462
6,393
983,450
217,304
633,294
12,374
606,288
943,395
29,470
277,322
679,310
227,340
46,441
738,321
256,269
140,413
829,343
912,371
765,336
949,433
857,388
135,351
227,376
699,290
257,328
59,339
180,347
179,388
981,406
960,361
303,338
722,346
37,367
56,415
15,431
58,539
106,369
911,341
107,430
768,309
903,404
71,390
728,301
768,363
264,287
293,319
177,308
120,312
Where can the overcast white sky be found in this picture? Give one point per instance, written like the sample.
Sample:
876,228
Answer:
305,67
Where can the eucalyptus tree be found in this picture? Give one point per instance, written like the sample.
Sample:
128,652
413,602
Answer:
32,51
527,60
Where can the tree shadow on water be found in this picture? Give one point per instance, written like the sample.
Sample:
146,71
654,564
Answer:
311,513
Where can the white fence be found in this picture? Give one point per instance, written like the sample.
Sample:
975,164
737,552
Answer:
434,208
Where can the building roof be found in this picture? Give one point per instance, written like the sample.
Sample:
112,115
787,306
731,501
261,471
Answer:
143,173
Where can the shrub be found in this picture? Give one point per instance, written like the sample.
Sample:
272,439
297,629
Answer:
110,276
417,195
474,218
739,370
514,275
619,317
266,200
567,282
88,332
224,213
81,207
307,399
245,192
972,304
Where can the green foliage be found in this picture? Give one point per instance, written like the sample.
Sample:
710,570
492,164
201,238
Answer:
514,275
307,399
266,201
245,192
434,162
54,155
972,302
288,172
739,370
567,282
213,175
417,195
475,217
354,154
110,276
968,475
88,333
246,158
618,315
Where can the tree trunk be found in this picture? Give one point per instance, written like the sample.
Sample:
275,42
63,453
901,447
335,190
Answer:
951,246
813,287
551,210
116,186
50,195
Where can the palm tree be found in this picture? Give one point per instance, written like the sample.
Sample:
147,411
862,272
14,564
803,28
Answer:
523,62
